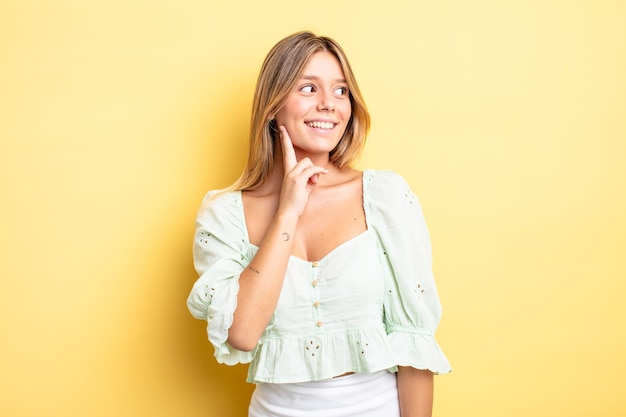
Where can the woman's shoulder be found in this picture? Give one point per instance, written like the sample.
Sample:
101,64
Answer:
221,215
220,201
384,182
386,194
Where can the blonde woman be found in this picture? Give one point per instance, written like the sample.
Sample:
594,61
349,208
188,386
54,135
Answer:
317,274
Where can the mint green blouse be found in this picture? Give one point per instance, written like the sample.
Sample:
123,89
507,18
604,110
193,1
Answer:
370,304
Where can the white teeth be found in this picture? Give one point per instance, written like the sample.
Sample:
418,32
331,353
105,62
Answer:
321,125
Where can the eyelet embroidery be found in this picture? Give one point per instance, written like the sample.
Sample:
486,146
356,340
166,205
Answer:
419,290
203,238
410,196
312,347
209,292
362,346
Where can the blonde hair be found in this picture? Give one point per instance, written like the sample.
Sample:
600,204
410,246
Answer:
280,71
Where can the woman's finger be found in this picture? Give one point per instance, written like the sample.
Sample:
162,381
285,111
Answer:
312,174
289,154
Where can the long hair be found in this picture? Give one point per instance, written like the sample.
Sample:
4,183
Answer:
280,71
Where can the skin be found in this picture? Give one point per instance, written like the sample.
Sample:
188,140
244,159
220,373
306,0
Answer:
415,390
287,216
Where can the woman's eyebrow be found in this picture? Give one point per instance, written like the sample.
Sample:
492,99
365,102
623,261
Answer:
316,78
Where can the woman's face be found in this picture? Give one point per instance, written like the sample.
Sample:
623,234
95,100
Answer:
318,108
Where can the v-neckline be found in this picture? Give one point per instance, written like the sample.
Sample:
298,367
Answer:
333,250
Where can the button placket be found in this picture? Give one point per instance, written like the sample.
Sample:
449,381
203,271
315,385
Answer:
315,295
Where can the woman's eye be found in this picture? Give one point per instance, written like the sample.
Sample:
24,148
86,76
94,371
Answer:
307,89
342,91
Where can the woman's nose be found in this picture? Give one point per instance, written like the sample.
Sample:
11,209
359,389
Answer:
326,102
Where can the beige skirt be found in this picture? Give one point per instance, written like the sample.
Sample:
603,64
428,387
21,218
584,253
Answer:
356,395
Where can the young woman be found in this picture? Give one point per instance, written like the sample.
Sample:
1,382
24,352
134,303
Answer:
315,273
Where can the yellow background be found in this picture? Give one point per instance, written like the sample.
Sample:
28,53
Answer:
508,118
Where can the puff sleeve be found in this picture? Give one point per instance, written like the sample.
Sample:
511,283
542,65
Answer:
220,254
411,307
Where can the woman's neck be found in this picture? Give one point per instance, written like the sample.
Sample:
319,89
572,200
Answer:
274,182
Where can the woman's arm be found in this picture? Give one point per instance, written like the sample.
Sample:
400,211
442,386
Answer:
415,390
261,282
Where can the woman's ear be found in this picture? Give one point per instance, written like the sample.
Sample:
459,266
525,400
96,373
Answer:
273,126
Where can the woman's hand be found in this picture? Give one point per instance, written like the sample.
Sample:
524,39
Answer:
301,178
261,282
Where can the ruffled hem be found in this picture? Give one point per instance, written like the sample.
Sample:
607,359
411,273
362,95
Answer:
322,356
420,351
220,318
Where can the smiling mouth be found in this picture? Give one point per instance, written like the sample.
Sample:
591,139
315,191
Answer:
321,125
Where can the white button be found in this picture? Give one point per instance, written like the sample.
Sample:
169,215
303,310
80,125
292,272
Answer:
315,264
314,282
316,303
319,323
